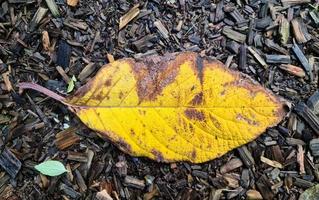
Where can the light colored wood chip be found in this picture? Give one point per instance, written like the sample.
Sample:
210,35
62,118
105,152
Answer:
103,195
254,194
294,70
72,3
231,165
45,40
110,57
61,71
161,29
131,14
301,159
7,81
258,57
272,163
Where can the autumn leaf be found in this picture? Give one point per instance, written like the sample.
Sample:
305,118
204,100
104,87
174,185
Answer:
179,107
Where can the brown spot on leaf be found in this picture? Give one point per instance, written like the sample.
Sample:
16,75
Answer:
198,99
132,132
246,119
158,155
108,82
142,112
193,154
98,96
194,114
154,73
191,128
121,95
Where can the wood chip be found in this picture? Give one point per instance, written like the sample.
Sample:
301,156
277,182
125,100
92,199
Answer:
242,57
302,183
273,46
7,81
308,115
38,16
63,54
53,8
315,16
22,1
294,70
129,16
294,141
66,138
80,181
246,156
301,159
9,162
277,153
264,187
303,60
161,28
103,195
219,15
271,162
76,156
110,58
144,42
96,38
294,2
72,3
253,195
277,59
134,182
45,41
231,180
300,30
251,32
313,102
234,35
61,71
76,24
70,191
258,57
284,30
314,146
87,71
231,165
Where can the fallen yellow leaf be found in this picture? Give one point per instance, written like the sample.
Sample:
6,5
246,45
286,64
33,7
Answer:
179,107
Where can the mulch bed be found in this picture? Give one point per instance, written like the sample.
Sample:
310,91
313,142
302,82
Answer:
276,43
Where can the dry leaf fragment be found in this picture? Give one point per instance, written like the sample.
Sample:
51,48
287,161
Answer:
173,108
72,2
131,14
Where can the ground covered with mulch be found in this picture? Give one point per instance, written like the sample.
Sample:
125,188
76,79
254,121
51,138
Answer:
49,42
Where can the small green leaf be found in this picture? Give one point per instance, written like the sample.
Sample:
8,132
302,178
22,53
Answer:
51,168
71,84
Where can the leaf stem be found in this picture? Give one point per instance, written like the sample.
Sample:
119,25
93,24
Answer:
43,90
